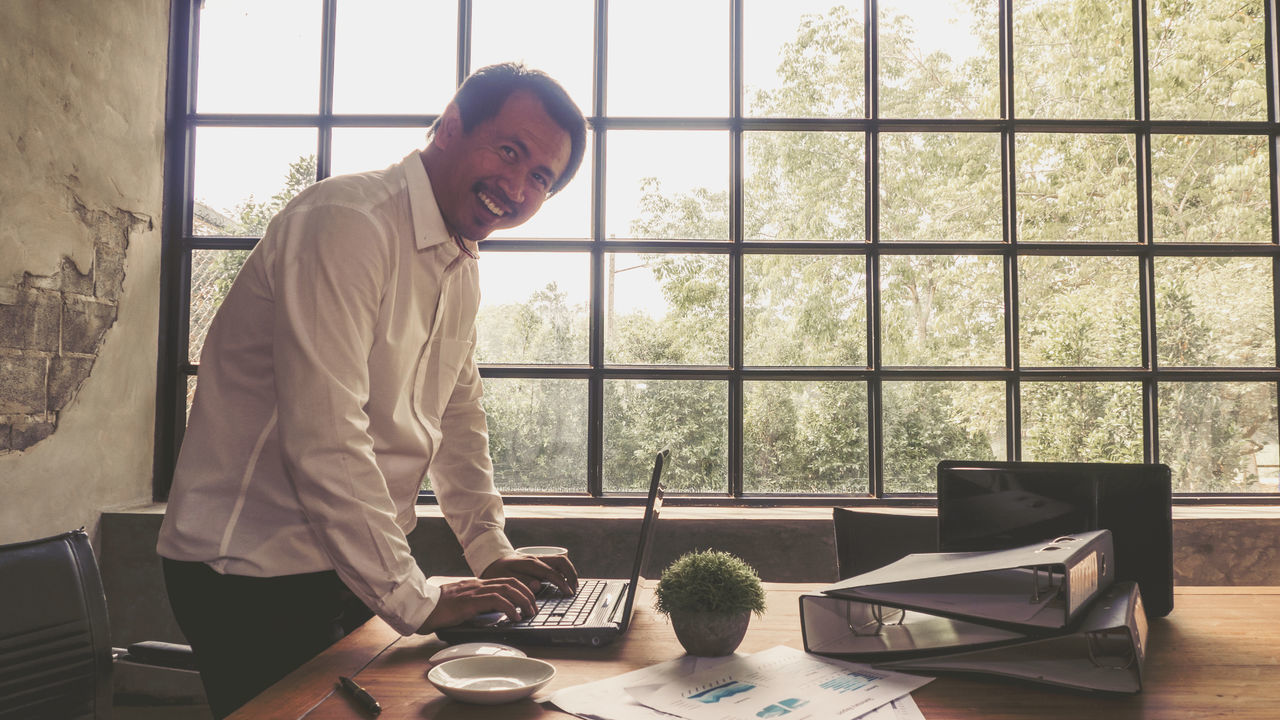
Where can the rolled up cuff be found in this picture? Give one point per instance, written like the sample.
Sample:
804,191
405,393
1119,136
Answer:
482,551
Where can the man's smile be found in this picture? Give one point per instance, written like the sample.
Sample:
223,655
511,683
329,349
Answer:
491,204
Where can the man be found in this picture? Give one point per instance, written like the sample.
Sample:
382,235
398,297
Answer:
336,374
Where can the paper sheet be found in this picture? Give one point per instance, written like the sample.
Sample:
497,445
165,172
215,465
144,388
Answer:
777,683
608,699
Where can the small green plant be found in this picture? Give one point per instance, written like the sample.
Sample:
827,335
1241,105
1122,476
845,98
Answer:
710,581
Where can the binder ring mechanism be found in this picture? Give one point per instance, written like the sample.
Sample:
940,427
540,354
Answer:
880,617
1051,590
1111,649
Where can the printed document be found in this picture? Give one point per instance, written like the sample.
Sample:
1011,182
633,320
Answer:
781,682
608,699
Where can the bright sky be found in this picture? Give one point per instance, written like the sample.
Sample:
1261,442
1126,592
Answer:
398,56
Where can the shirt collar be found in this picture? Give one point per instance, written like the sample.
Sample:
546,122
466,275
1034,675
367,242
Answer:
428,223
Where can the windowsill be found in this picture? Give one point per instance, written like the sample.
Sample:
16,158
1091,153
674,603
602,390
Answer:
1183,512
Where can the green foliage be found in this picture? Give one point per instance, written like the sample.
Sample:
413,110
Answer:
1073,60
710,581
250,218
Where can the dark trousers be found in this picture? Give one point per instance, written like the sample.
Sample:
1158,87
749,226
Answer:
249,632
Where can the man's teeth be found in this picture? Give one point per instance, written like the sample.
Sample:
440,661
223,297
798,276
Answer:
493,207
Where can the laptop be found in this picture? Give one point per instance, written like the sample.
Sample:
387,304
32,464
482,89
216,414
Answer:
596,615
992,505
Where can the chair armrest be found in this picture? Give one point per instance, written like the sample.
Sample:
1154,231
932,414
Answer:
160,654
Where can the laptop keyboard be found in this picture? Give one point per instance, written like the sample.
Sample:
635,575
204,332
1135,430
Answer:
555,609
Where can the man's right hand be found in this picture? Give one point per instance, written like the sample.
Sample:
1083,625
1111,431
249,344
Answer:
462,600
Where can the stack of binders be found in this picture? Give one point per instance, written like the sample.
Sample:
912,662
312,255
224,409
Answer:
1051,612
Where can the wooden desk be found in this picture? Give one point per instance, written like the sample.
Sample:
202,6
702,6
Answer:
1215,656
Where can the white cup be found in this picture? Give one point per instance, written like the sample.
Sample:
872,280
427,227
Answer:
542,550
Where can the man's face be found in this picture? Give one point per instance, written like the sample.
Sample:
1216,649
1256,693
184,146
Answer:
499,174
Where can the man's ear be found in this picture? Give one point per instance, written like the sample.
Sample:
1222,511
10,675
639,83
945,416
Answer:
450,126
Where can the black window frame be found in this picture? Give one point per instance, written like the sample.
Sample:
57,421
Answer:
178,243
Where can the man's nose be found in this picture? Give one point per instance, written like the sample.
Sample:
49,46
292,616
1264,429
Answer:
512,185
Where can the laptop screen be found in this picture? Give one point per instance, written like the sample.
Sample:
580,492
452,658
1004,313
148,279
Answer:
993,505
647,528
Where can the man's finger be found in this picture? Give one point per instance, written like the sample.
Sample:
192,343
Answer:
546,573
565,568
518,593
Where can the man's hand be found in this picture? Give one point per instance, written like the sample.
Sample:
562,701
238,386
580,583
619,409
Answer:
534,571
460,601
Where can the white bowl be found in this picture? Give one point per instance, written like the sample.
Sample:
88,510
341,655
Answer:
542,550
474,649
491,679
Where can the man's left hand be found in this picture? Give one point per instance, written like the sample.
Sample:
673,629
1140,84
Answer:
534,571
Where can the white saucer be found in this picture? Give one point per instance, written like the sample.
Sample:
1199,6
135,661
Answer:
491,679
474,649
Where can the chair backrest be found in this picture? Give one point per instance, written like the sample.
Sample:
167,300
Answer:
55,647
870,539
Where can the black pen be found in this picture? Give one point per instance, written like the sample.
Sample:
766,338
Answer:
361,695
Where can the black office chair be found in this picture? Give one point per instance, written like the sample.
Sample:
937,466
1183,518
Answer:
870,539
55,647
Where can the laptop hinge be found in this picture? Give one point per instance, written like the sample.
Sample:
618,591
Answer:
619,604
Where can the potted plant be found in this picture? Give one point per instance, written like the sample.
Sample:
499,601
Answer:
709,596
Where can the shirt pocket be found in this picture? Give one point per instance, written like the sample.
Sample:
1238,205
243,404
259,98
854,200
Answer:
436,376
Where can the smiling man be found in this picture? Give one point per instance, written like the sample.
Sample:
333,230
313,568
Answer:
337,374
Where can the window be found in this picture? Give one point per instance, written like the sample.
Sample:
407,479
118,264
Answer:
813,251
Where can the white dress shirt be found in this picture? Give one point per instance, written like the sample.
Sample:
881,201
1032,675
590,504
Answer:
338,371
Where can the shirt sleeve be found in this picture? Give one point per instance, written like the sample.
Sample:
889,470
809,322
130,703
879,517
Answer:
462,473
328,275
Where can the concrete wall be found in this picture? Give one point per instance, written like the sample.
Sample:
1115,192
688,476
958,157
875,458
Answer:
81,165
1212,546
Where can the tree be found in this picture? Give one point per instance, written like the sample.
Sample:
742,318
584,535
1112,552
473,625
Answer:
1073,60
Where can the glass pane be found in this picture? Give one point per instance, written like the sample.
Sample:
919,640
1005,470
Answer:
940,187
259,57
537,434
212,272
1079,311
805,437
805,310
1215,312
363,149
1082,422
939,59
1073,59
565,215
1210,188
942,310
1219,436
802,58
244,176
804,186
666,309
1076,188
667,184
554,36
668,58
191,394
643,416
533,307
395,56
1208,60
925,422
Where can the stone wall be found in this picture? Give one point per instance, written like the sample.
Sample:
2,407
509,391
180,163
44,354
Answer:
81,169
51,332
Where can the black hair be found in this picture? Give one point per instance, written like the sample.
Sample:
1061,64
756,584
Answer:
484,92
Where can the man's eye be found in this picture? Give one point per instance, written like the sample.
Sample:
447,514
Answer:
540,180
509,152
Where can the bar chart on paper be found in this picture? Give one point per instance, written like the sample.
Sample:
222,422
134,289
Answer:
779,682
